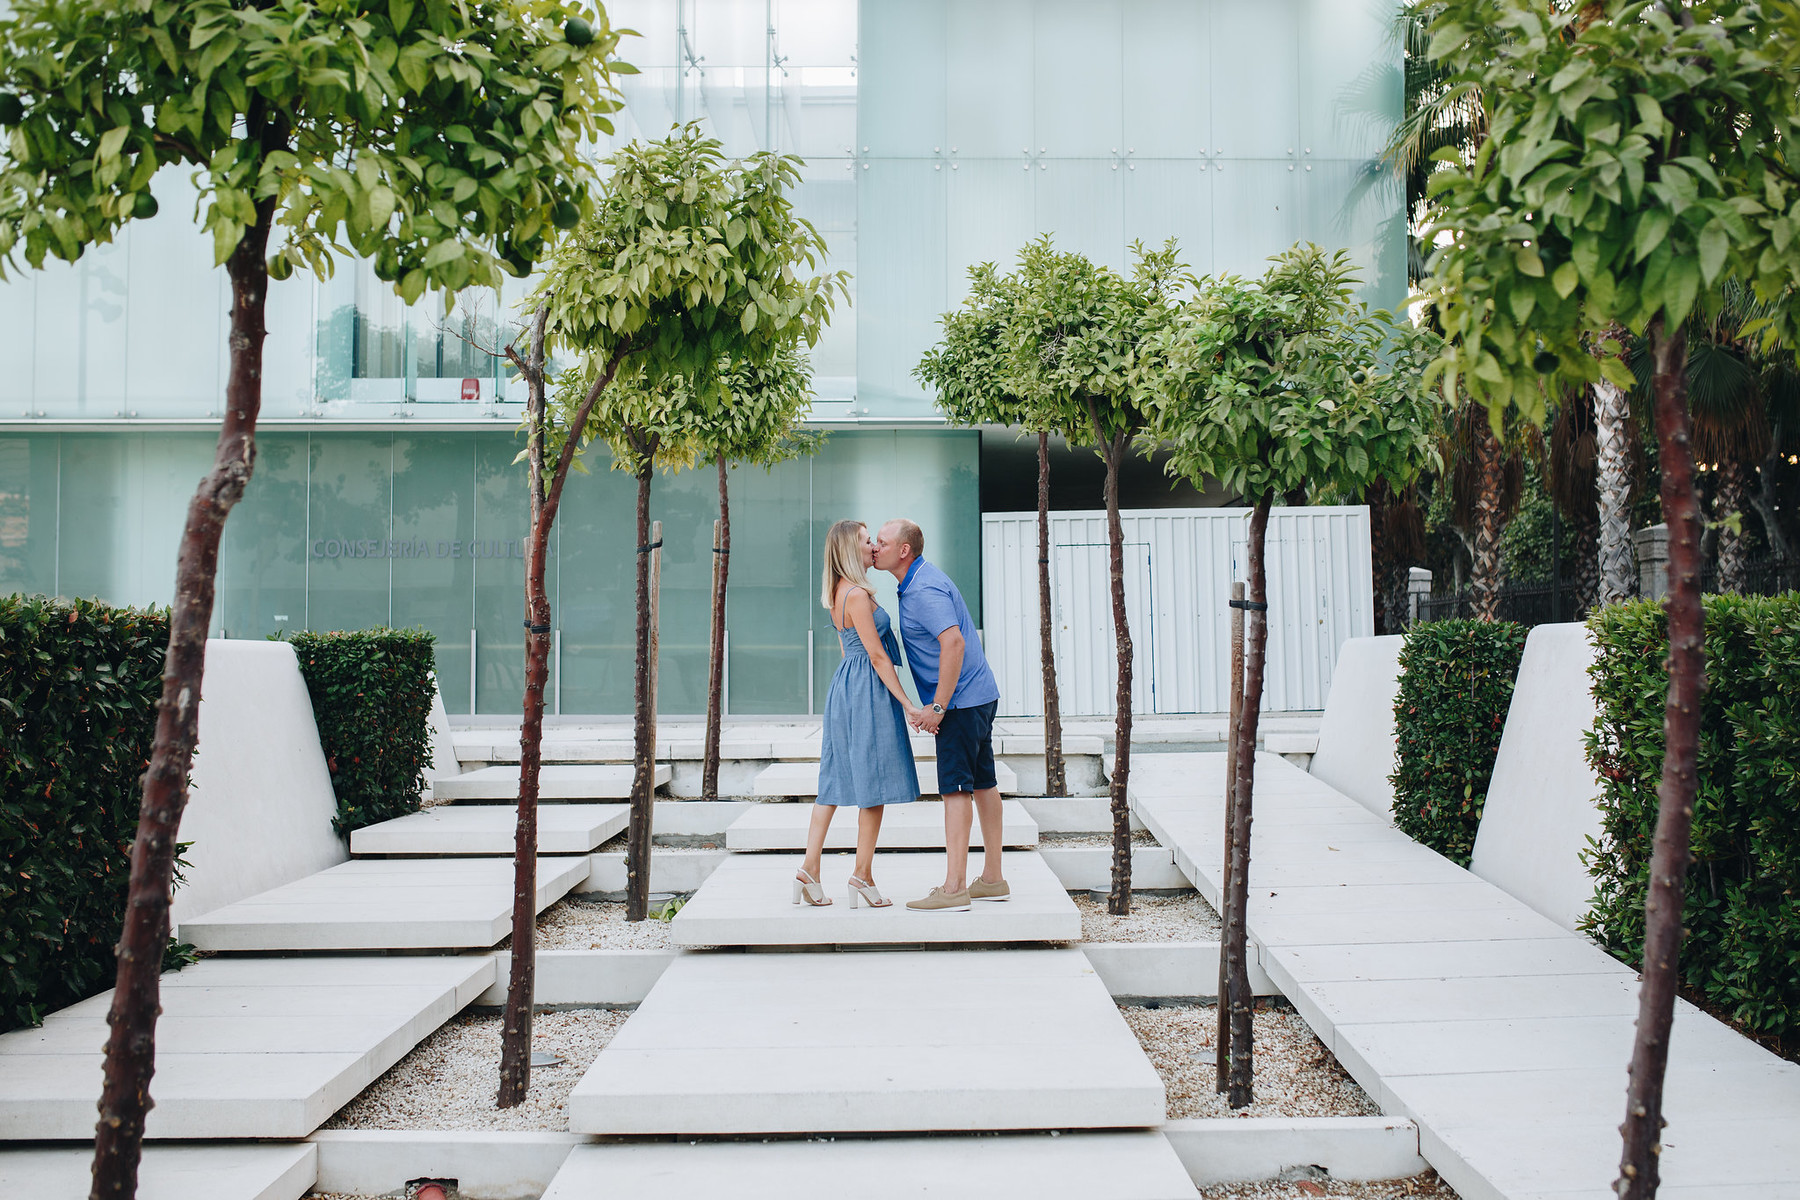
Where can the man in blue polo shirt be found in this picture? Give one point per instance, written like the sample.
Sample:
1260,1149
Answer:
959,696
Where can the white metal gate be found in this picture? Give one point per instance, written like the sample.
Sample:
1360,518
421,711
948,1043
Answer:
1179,564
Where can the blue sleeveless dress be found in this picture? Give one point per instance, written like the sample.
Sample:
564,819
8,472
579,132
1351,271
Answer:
865,758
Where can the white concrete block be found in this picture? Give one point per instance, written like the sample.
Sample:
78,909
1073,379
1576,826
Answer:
491,829
1543,803
1238,1149
670,870
873,1042
1072,814
802,778
1083,1166
260,809
748,901
1082,868
264,1048
1355,754
697,818
385,904
601,781
485,1165
1166,970
584,977
918,825
264,1172
444,762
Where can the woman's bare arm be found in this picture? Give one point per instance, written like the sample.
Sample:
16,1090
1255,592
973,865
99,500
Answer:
860,608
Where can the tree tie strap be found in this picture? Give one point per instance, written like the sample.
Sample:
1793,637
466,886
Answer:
1044,561
537,628
716,550
1251,605
656,545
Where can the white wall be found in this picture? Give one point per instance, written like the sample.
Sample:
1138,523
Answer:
1543,801
1178,572
259,812
1356,734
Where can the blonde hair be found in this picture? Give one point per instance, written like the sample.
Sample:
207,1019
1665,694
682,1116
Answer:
843,560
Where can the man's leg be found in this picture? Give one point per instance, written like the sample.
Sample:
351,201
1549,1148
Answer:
987,806
958,820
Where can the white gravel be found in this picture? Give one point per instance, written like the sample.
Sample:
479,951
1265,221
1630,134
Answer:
1295,1076
1425,1187
589,923
1184,918
1061,841
450,1079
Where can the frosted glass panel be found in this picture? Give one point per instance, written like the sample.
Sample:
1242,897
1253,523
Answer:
351,499
767,611
502,521
433,575
596,604
122,502
989,80
179,311
1077,80
28,468
992,215
1255,79
1164,80
901,286
1080,204
1165,199
903,56
263,559
1254,214
1351,80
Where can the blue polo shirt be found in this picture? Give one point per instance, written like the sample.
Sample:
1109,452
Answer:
930,604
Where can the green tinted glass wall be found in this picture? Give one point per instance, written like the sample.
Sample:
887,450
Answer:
342,530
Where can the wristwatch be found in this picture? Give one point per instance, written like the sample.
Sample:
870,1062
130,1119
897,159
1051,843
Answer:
937,708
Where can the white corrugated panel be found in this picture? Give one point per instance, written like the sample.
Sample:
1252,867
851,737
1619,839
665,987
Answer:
1179,564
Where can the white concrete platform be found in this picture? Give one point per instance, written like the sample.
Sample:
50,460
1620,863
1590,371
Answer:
202,1172
490,829
1085,1166
1501,1034
802,779
915,826
245,1048
385,904
877,1042
596,781
748,901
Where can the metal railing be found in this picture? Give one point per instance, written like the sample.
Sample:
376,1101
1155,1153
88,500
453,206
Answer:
1547,602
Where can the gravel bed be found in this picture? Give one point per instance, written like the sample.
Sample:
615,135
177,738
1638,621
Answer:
1426,1187
590,923
1184,918
1295,1075
1066,841
450,1079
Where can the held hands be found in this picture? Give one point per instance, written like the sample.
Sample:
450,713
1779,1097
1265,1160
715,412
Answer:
925,721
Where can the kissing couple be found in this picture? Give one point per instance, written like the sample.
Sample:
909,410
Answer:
866,759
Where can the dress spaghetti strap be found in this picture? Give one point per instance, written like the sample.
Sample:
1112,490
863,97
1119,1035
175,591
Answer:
844,603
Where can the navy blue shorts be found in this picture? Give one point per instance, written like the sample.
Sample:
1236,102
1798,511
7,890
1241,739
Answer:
965,749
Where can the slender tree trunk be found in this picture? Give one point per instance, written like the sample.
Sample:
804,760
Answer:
1612,494
521,987
1056,776
1485,577
125,1101
1729,500
1228,894
1585,528
1381,556
1118,902
643,781
1670,855
715,674
1237,938
1763,500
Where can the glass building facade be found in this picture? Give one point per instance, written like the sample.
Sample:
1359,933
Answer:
936,134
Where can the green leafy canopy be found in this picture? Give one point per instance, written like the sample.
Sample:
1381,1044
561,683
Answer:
1635,161
439,138
1285,383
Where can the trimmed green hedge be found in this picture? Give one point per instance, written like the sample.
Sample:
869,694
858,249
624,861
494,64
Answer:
79,682
1742,951
371,695
1456,681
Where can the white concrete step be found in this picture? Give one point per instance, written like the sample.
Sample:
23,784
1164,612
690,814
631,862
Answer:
266,1172
748,901
882,1042
598,781
802,779
1086,1166
384,904
915,826
245,1048
490,829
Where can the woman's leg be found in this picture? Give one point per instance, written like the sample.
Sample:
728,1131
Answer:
815,837
868,832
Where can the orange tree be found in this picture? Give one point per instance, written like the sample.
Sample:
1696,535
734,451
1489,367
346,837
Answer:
439,140
1638,159
1283,388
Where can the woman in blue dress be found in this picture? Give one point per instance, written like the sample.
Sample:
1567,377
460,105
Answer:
865,760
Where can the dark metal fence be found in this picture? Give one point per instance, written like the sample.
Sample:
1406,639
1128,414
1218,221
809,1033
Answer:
1546,603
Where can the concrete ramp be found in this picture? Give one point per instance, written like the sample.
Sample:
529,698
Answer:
260,811
1356,735
1543,803
271,1172
1086,1166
